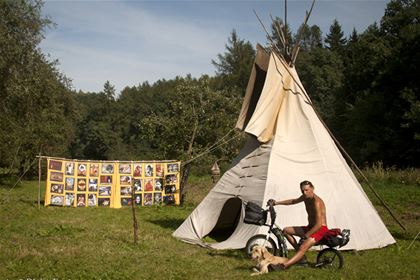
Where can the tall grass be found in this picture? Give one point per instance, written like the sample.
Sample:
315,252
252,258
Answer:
409,176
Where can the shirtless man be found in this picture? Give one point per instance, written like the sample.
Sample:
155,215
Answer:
317,223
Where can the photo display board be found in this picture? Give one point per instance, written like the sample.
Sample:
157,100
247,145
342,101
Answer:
76,183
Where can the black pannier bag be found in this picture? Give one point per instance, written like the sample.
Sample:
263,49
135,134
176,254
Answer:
337,237
254,214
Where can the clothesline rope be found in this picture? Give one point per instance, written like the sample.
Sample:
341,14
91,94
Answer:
214,146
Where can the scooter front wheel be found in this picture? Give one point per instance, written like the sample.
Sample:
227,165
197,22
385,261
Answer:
261,240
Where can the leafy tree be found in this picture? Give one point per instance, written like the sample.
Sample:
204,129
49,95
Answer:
322,74
97,134
310,38
335,39
109,91
196,116
136,103
361,126
195,119
401,29
235,64
382,120
36,105
354,38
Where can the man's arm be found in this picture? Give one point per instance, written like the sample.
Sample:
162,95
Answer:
289,201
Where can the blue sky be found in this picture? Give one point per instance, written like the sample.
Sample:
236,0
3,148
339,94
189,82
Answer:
130,42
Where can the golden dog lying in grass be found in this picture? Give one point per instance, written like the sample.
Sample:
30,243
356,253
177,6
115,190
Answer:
264,259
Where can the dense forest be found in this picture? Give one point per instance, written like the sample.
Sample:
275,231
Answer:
366,87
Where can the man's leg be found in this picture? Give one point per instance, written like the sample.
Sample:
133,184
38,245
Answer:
308,243
289,233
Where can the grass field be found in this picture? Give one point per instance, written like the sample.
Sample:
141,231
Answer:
97,243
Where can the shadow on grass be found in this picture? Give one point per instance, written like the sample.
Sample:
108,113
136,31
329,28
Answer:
167,223
31,202
235,254
403,235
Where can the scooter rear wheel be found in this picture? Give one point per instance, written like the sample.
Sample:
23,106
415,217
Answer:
329,258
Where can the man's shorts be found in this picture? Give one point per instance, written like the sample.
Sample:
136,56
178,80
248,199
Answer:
319,234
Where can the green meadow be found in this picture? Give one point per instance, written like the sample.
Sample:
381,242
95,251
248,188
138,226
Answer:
97,243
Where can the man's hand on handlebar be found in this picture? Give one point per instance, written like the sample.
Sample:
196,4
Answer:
271,202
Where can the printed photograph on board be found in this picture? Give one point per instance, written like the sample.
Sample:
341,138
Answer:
148,199
81,200
57,188
81,169
69,199
70,168
171,179
55,165
159,169
158,184
104,201
105,179
125,168
172,167
69,184
125,190
107,168
125,180
137,170
148,186
92,199
56,176
81,185
94,169
126,201
137,200
93,185
169,199
138,185
148,170
170,189
104,190
157,198
57,200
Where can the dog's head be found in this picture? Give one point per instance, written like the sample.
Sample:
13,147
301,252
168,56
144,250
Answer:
259,253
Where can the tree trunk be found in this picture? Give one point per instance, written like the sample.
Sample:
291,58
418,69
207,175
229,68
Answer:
187,167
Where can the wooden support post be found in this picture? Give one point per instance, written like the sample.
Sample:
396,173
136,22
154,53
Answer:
39,181
133,210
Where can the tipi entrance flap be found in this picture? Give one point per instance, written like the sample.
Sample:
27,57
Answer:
254,87
263,122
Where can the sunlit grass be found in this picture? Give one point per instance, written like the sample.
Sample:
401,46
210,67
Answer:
97,243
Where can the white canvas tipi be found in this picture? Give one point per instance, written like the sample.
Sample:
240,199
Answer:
287,144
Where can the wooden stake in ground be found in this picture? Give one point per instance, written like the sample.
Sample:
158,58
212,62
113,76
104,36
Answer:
39,181
133,208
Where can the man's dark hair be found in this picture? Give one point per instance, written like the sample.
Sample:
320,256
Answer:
304,183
